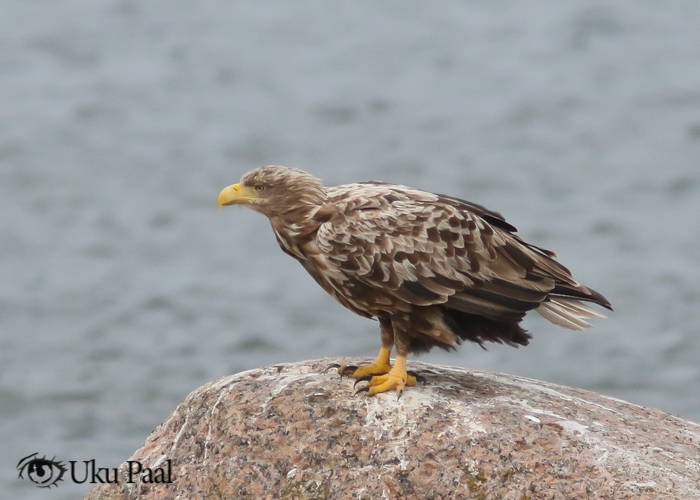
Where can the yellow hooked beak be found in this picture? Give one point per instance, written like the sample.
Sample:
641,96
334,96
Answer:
237,194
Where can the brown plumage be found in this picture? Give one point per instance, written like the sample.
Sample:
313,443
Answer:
435,270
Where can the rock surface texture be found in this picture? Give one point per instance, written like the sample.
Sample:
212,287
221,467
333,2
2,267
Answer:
291,431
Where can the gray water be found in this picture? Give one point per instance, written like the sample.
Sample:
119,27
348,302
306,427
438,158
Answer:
122,288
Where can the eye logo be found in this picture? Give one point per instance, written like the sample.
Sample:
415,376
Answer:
45,473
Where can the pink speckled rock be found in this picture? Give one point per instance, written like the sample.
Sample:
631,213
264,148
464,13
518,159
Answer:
293,431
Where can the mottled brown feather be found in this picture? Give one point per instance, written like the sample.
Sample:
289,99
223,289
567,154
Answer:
438,268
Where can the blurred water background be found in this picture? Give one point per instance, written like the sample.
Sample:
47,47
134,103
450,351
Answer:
122,288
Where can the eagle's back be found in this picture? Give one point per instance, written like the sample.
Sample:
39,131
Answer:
391,247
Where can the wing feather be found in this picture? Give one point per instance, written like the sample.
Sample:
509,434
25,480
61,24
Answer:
428,249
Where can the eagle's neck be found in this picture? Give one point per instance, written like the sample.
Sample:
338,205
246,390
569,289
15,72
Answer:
294,236
296,214
296,226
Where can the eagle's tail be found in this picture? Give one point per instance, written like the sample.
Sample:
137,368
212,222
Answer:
568,312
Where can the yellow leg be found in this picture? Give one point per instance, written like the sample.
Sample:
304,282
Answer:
397,378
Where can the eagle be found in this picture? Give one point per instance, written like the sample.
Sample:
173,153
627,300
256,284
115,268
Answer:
434,270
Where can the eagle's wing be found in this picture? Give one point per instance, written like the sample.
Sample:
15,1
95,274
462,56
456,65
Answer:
428,249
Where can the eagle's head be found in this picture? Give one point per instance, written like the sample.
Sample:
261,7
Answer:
276,192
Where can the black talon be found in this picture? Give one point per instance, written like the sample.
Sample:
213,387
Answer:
399,394
361,389
366,378
348,370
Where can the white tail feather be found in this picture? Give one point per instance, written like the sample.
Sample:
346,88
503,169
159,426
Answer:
567,312
577,307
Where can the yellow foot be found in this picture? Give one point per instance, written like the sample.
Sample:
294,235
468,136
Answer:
395,379
376,368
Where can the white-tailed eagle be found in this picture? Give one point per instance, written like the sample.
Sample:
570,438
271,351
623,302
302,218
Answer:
433,269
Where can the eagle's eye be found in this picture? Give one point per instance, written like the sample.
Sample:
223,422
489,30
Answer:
259,187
